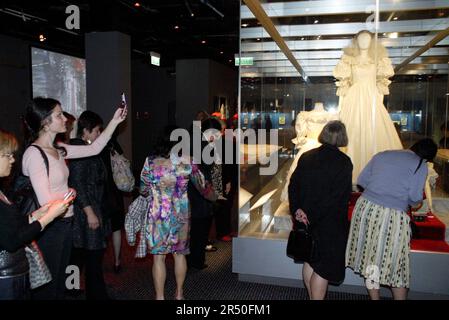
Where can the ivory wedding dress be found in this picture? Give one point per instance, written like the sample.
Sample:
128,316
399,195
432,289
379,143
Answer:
361,88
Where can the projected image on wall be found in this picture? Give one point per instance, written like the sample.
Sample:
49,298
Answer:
61,77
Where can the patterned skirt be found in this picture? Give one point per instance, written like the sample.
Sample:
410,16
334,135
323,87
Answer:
379,244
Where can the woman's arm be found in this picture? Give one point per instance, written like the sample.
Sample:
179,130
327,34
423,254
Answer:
417,185
203,185
15,231
95,148
145,178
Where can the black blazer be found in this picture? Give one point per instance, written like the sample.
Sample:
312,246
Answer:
321,187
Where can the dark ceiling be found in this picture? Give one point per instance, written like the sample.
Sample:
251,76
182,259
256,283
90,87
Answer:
202,32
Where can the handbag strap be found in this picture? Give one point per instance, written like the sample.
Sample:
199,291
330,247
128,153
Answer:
47,166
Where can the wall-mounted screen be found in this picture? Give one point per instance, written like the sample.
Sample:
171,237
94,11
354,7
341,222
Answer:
61,77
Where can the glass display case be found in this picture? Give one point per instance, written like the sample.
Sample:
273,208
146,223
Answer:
292,57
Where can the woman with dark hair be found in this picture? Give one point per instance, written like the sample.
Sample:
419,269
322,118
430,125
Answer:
319,192
91,225
17,230
379,240
164,180
44,119
114,204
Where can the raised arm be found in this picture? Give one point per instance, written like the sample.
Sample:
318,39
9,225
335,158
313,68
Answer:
95,148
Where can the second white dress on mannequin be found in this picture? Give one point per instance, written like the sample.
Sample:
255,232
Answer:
308,127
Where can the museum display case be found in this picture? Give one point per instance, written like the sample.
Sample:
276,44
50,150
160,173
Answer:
298,70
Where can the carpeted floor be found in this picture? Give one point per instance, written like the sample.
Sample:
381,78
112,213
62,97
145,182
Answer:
217,282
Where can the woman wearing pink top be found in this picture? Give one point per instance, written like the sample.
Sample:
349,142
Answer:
44,119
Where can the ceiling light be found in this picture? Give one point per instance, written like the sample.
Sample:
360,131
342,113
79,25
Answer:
316,21
395,18
176,27
42,38
258,39
136,4
393,35
192,14
203,41
221,52
230,60
302,38
244,25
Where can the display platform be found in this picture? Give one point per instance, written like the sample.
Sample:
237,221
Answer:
259,250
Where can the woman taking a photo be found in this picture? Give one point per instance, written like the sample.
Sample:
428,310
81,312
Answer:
44,119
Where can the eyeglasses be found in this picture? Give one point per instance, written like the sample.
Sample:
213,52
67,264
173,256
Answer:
10,156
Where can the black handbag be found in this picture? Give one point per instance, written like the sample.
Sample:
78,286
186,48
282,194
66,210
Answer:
300,243
22,193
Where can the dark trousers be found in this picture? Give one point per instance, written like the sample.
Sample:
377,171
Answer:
55,242
92,263
199,233
222,213
15,288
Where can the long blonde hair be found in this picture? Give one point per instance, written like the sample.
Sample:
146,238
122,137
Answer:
375,50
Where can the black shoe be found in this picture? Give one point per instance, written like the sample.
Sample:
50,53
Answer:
117,269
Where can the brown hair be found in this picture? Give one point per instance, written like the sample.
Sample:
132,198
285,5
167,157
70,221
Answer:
334,133
8,142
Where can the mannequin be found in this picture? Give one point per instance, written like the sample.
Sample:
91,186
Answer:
362,75
308,127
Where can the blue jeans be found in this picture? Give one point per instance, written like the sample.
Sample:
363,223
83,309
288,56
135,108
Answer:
15,288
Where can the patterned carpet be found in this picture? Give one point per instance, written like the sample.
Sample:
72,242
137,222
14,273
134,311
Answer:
216,282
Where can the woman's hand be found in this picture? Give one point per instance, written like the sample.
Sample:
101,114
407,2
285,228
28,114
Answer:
92,221
58,207
120,115
42,210
301,216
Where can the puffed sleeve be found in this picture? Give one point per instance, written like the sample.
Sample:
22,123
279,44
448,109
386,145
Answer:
300,128
204,186
384,71
342,73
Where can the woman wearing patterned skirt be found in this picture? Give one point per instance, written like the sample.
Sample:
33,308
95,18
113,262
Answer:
379,240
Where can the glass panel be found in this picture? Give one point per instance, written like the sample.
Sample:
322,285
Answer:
273,91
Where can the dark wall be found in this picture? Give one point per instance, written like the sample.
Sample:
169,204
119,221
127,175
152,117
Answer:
198,81
223,82
15,83
192,89
108,69
154,103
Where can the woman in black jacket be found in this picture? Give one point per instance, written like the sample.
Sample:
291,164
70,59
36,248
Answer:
319,192
91,225
17,230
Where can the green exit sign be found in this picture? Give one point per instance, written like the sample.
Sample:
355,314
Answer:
244,61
